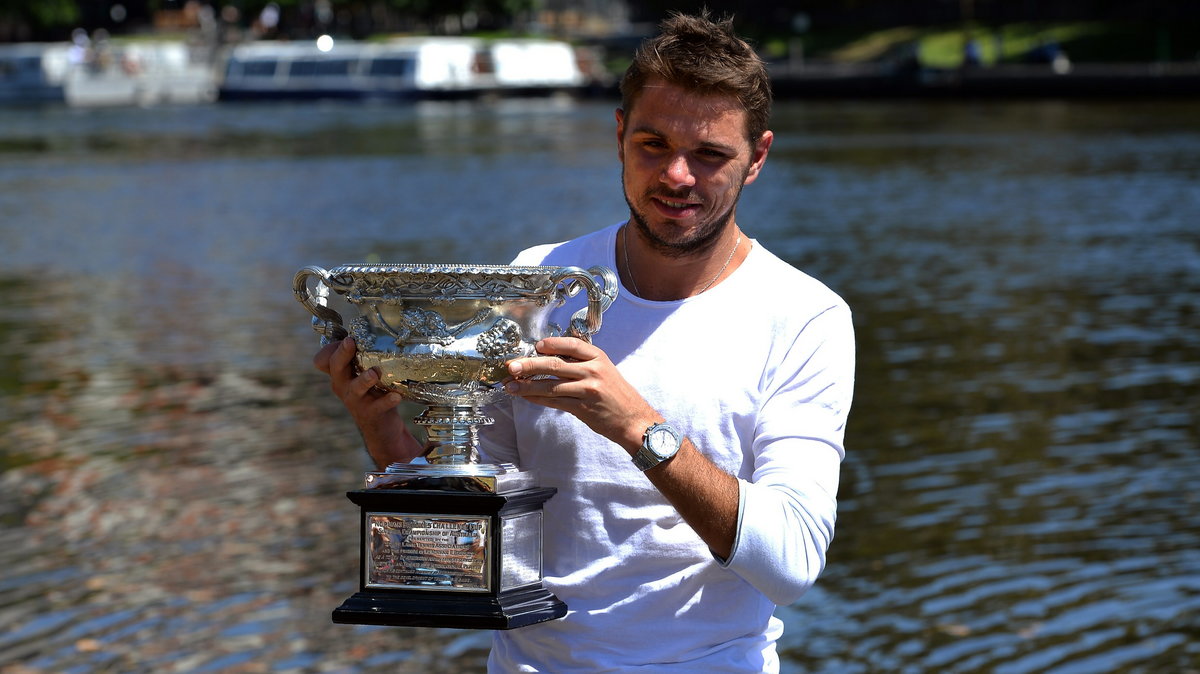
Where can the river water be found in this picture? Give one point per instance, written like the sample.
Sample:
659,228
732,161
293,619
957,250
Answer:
1021,489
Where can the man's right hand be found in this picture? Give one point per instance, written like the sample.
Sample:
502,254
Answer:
374,411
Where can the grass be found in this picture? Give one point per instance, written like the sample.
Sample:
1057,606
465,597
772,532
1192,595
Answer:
942,46
944,49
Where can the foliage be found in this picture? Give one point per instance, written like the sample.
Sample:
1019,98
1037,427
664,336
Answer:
41,14
943,46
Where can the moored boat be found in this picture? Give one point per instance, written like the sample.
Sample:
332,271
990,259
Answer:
431,67
136,73
33,72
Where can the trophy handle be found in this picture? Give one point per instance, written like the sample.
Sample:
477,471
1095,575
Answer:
326,322
586,322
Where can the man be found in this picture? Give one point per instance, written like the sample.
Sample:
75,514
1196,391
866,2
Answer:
696,444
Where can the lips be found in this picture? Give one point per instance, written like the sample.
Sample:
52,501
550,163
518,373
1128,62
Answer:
674,208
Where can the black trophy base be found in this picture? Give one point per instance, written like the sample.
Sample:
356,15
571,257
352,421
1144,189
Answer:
505,611
450,558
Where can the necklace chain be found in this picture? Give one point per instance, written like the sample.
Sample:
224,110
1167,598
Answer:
633,281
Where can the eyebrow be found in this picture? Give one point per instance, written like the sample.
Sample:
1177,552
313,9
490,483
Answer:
704,144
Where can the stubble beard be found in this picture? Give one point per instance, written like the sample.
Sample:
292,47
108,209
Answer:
698,243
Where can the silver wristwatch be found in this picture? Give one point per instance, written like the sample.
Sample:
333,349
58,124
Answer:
660,442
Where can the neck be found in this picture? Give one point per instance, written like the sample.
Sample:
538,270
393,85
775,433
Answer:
654,276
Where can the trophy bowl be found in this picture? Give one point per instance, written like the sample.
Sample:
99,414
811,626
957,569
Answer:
441,334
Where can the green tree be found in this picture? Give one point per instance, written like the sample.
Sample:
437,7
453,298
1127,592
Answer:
40,16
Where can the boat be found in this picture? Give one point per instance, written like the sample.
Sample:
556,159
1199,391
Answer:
142,73
138,73
400,68
33,72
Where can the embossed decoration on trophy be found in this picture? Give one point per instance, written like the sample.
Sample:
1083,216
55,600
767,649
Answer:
451,542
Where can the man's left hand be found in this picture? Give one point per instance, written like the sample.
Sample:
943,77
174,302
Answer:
585,383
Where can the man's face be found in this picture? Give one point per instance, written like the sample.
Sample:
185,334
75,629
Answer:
684,160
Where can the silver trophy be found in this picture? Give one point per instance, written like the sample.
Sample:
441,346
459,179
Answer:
451,542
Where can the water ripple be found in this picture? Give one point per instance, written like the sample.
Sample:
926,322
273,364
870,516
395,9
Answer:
1022,489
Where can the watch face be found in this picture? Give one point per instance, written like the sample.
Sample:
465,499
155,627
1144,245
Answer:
662,442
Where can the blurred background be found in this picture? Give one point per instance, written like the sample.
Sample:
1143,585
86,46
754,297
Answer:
1008,195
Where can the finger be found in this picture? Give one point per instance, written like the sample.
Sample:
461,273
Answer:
544,388
321,359
548,392
552,366
364,383
567,347
340,359
384,403
559,354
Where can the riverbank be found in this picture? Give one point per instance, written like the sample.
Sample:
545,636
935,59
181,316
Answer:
1090,59
1087,80
1017,60
1013,60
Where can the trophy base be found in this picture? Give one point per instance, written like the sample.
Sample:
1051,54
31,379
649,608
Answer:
504,611
450,558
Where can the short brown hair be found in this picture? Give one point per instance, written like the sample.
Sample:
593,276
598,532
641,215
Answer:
703,55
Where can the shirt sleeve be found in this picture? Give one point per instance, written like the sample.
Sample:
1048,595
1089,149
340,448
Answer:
788,506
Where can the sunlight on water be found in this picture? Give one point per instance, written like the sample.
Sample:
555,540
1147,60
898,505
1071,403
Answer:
1020,493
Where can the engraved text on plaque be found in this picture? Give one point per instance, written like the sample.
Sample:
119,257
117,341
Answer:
432,552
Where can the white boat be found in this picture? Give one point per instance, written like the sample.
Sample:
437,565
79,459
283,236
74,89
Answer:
143,73
434,67
533,65
139,73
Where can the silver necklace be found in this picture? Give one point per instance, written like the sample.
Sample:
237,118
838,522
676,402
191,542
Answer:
633,281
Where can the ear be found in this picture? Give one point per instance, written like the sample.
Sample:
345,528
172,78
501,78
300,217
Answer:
621,135
758,156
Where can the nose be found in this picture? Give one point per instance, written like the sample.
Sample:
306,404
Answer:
678,173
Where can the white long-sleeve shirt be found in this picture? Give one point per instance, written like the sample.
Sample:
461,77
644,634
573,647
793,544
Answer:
758,372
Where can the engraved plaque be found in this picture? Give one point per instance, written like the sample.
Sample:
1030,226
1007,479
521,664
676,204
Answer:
451,558
432,552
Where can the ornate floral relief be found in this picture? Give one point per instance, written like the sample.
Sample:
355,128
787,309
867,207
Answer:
360,330
421,326
443,283
500,340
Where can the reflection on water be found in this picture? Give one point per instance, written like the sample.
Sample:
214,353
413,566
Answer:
1021,489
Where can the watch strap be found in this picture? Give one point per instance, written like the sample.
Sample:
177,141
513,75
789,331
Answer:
645,459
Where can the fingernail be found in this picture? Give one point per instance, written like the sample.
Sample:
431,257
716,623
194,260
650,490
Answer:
511,387
370,375
515,367
347,344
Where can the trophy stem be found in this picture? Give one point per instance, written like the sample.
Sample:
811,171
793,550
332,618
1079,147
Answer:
453,433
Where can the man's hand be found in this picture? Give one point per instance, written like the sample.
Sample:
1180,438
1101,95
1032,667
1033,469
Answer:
373,411
585,383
